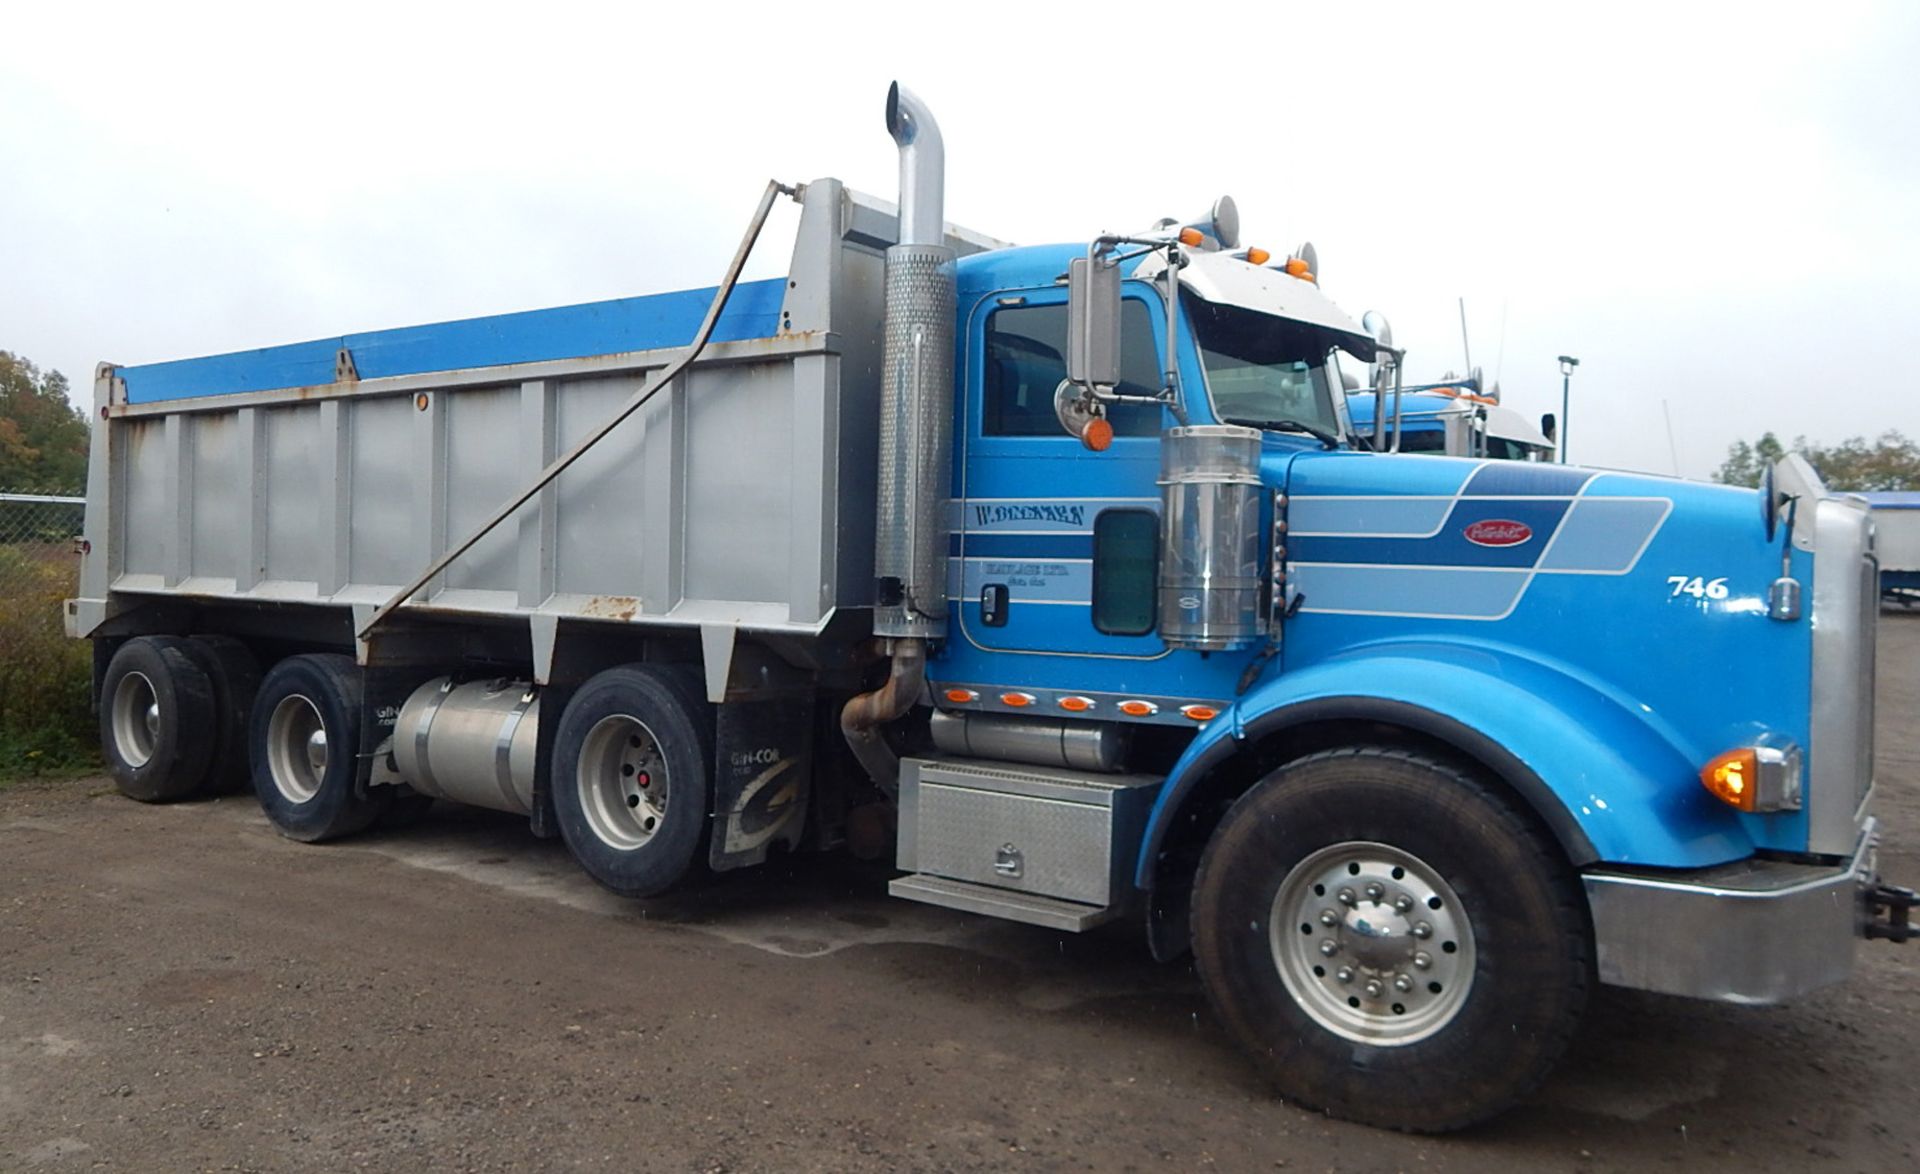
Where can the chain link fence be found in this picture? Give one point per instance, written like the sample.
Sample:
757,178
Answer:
45,718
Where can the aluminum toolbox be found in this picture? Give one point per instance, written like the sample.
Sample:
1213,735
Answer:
1064,834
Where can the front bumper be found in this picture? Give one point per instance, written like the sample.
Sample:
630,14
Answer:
1755,931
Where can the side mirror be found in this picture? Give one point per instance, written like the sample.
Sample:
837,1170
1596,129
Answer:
1547,426
1093,323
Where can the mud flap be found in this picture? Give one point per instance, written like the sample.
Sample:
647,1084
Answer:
763,767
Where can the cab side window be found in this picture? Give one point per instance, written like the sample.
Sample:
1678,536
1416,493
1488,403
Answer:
1026,360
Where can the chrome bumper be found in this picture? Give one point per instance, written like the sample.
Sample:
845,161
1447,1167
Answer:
1756,931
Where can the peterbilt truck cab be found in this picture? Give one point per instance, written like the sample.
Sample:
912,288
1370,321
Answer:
1452,418
1060,574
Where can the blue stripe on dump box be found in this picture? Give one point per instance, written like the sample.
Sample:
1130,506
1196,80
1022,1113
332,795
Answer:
566,332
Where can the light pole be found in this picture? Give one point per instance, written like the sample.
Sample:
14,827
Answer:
1567,364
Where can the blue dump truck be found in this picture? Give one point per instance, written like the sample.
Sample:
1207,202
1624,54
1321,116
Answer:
1452,419
1053,571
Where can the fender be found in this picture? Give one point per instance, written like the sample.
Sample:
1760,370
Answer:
1611,783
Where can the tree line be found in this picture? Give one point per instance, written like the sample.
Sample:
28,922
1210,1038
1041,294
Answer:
43,437
1889,461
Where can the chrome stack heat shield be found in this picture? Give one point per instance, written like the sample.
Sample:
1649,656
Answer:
916,395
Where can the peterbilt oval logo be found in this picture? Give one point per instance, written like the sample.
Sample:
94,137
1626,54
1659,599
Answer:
1498,532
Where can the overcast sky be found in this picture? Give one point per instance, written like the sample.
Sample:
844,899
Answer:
1713,206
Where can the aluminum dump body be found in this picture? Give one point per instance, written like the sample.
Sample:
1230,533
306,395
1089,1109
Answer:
331,473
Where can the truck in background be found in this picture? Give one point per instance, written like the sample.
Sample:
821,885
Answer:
1896,520
1060,560
1452,418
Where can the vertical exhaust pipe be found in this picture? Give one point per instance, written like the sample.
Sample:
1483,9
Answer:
916,395
916,438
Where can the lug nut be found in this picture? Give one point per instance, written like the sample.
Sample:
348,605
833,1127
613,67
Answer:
1329,917
1403,902
1375,891
1344,974
1329,948
1402,983
1374,989
1344,896
1422,930
1423,960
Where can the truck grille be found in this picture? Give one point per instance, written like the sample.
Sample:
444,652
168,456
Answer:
1846,610
1869,641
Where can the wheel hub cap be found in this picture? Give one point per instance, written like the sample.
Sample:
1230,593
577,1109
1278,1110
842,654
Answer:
1373,943
136,719
296,748
622,782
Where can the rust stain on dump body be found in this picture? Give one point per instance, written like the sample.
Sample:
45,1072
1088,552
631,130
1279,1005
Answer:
611,607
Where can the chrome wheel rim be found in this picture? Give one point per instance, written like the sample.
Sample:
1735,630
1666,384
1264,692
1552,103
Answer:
622,782
136,719
1372,943
296,748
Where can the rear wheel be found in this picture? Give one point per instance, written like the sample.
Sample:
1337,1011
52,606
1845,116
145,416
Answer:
1390,940
156,720
235,677
632,778
305,742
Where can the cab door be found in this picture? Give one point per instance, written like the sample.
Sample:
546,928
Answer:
1055,548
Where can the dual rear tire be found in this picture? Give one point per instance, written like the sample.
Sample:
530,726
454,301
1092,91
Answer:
632,777
631,780
305,741
173,716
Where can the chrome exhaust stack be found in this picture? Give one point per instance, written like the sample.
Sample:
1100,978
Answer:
916,439
916,394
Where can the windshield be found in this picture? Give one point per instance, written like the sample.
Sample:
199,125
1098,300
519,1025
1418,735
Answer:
1263,370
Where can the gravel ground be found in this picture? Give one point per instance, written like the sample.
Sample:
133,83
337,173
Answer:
180,988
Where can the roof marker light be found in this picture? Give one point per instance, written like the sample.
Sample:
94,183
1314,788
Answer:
1017,700
962,696
1191,237
1199,713
1258,256
1076,704
1138,708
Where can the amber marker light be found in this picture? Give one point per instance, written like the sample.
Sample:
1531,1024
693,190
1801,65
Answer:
1017,700
1733,778
1191,237
1199,713
962,696
1097,436
1297,268
1139,708
1076,704
1259,256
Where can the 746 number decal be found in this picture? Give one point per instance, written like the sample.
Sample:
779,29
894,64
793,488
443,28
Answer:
1697,587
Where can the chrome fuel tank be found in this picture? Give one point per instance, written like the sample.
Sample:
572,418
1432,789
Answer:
471,743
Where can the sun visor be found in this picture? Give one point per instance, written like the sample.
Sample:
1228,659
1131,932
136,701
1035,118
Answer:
1226,279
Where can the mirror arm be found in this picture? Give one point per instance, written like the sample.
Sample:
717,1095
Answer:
1397,356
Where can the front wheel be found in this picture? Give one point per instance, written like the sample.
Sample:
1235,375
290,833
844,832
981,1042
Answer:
1390,940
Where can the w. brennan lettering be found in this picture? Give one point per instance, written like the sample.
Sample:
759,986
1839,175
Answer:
993,515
